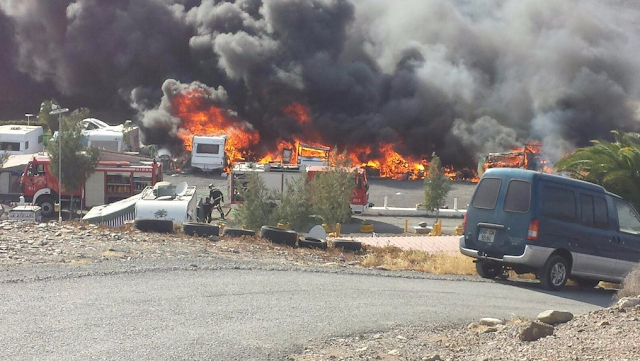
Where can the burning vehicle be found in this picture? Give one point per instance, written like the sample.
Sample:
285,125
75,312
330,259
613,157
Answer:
528,157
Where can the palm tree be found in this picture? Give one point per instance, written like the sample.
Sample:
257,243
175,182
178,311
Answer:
615,166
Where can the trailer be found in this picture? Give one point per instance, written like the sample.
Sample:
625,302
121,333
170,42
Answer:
208,152
21,139
111,181
277,177
164,205
118,138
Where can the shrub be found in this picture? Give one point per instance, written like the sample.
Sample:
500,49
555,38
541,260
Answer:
295,207
258,207
631,284
331,195
436,186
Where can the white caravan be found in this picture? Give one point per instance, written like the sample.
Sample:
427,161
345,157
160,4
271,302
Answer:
166,201
21,139
207,153
118,138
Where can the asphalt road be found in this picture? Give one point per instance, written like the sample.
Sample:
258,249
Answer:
225,311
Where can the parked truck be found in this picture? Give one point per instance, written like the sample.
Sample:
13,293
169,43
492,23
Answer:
277,176
21,139
111,181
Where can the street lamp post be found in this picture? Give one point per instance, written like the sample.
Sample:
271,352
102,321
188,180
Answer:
55,109
28,115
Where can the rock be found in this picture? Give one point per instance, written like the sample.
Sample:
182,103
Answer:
394,352
552,317
488,321
534,331
604,323
435,357
628,302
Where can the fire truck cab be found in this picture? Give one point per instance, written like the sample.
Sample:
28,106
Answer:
111,181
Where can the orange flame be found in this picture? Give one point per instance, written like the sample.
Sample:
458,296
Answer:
199,118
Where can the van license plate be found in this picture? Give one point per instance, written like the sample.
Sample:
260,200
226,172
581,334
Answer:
487,235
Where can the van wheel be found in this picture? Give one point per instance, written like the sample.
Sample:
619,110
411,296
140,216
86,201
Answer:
554,273
46,206
586,283
489,270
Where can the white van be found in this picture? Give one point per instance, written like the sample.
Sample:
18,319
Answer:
21,139
208,153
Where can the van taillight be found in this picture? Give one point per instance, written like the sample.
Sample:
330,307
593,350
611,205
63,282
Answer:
464,223
532,234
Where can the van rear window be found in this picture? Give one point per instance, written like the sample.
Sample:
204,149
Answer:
486,195
559,204
518,197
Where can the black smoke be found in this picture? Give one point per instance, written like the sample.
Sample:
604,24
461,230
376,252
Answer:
456,77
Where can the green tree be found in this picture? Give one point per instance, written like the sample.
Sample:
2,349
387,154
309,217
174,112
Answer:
331,190
3,158
613,165
436,186
47,119
77,163
258,207
295,207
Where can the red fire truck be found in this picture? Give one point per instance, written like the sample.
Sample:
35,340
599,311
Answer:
111,181
276,176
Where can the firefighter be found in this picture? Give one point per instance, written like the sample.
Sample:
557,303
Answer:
207,208
216,199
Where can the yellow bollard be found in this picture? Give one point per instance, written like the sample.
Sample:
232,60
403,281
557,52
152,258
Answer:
338,228
406,225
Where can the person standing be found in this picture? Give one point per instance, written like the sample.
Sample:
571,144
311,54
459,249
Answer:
207,207
216,199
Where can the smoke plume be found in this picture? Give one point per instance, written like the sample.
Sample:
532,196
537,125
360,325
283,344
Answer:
454,77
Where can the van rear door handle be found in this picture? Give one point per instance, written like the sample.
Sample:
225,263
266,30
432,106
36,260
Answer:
491,225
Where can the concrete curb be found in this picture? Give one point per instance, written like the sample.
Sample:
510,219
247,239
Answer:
414,212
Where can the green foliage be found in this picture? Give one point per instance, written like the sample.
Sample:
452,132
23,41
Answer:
331,195
615,166
295,207
3,158
258,207
436,185
76,161
46,119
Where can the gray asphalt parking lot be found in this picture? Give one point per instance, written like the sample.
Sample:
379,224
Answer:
399,193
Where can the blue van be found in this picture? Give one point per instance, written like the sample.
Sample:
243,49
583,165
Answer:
554,227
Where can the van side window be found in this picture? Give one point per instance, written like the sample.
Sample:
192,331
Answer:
559,204
486,195
627,218
600,213
518,197
593,212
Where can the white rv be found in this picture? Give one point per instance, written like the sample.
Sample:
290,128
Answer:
118,138
21,139
208,153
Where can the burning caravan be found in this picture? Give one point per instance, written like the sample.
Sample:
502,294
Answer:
166,203
528,157
21,139
207,152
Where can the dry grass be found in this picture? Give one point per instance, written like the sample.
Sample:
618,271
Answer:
394,258
631,284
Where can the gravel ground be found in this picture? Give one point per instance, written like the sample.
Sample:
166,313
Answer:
608,334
